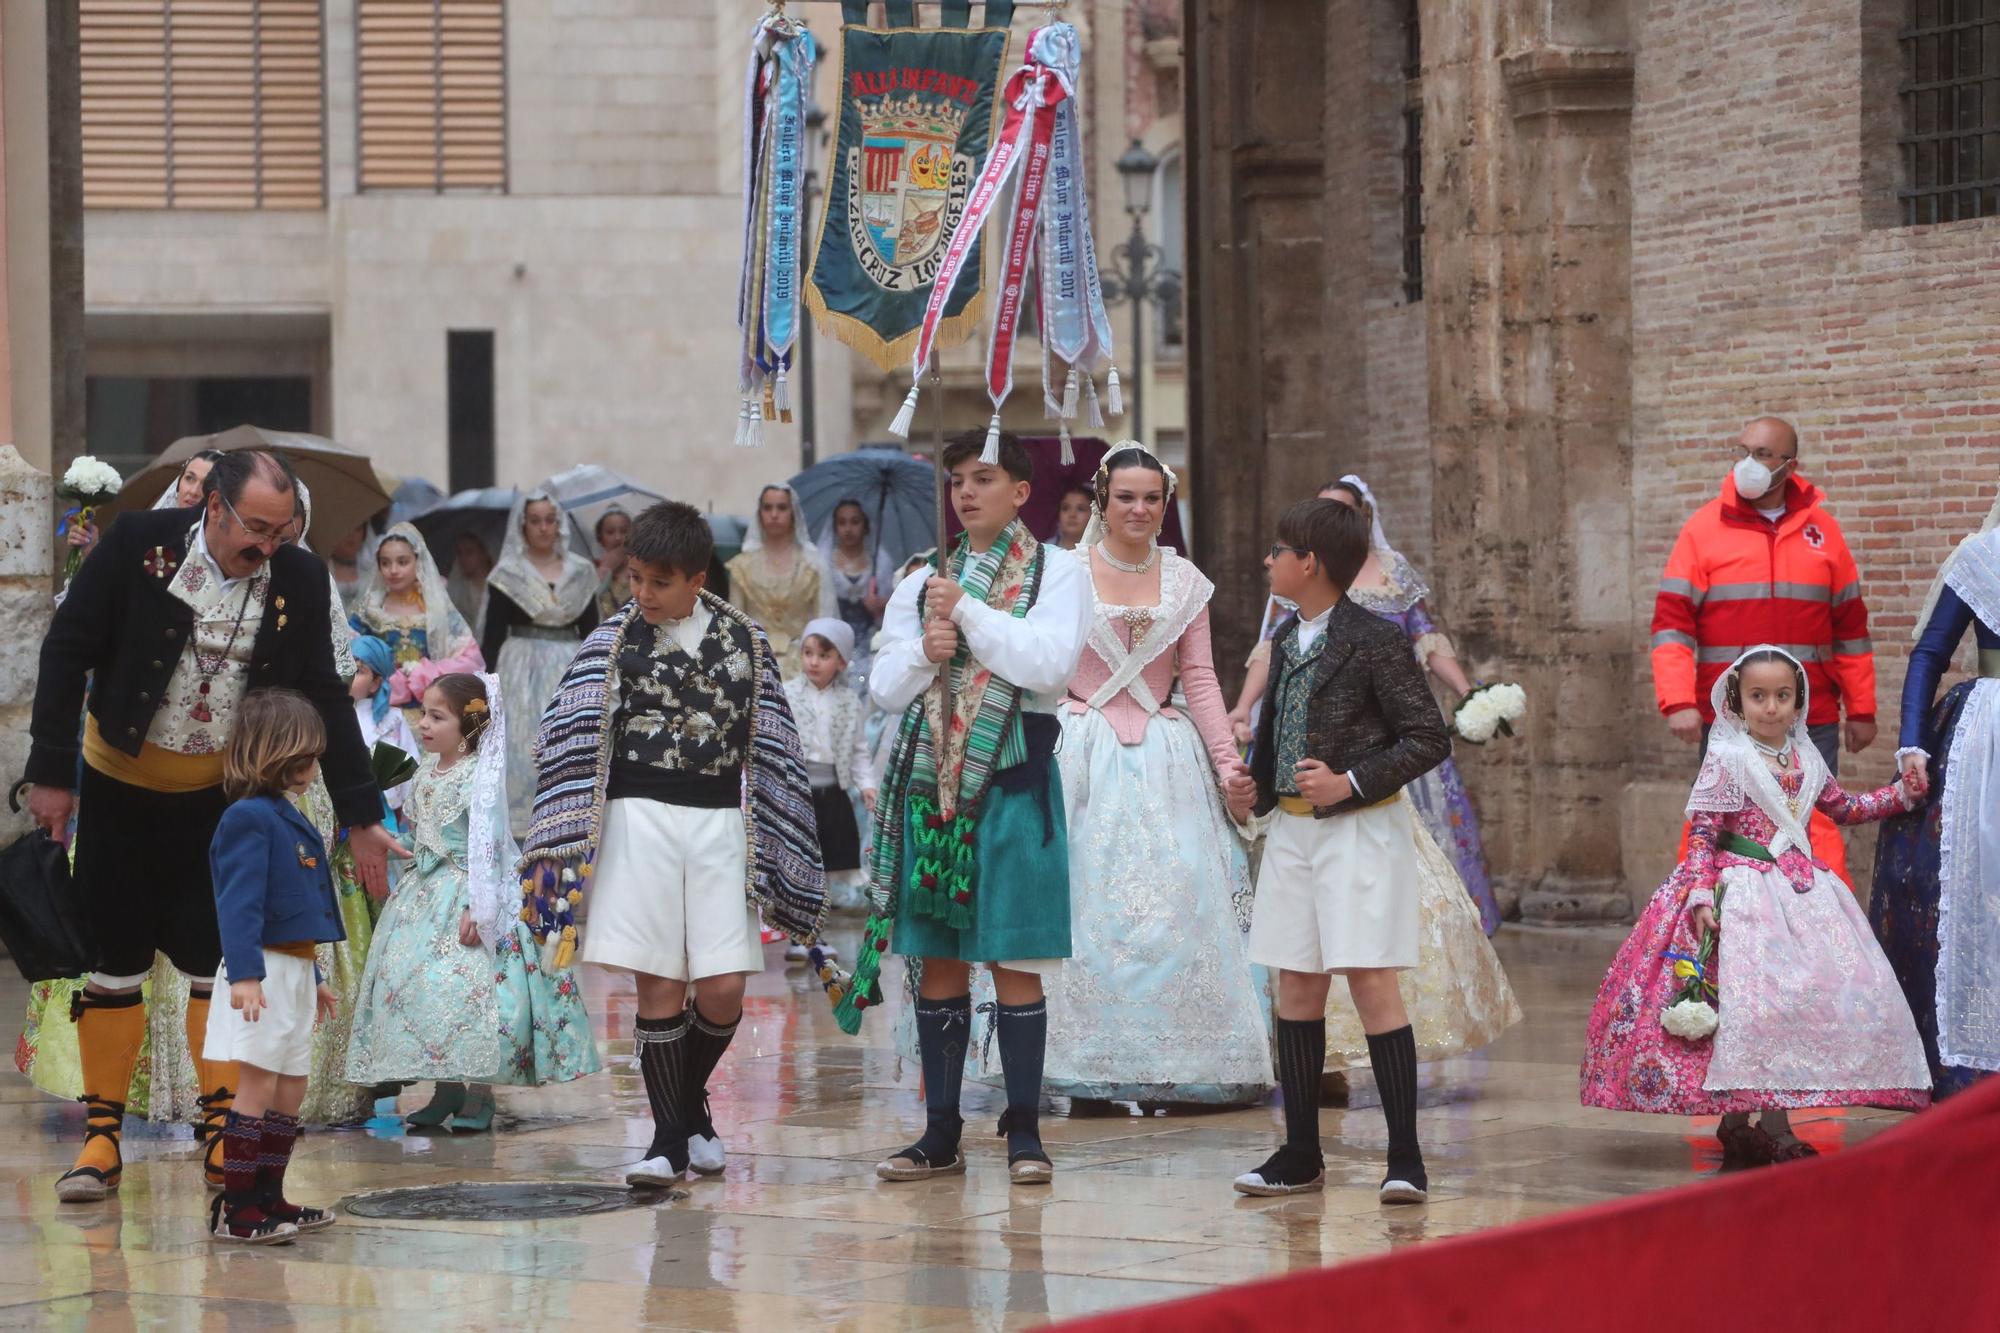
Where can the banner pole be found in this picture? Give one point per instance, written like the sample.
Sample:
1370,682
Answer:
943,549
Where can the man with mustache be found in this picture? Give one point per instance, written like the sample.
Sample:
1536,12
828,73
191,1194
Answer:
178,613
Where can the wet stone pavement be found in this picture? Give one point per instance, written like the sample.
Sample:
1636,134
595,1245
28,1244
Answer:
798,1232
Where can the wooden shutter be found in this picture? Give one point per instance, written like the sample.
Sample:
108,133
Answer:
203,104
432,81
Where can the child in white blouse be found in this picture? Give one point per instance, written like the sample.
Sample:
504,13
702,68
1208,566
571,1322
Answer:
832,722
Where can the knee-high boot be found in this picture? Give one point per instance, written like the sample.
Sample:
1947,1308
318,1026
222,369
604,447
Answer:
109,1029
218,1089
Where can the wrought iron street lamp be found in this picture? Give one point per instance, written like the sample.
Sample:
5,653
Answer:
1137,271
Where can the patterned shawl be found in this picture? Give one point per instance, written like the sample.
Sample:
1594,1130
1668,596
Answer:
940,792
785,880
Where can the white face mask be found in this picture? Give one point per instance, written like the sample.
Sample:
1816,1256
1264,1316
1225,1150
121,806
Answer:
1753,479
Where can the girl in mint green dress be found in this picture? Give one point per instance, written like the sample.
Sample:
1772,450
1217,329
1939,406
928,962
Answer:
457,990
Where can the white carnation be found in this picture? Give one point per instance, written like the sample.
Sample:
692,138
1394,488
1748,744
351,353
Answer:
1690,1020
1477,719
1510,699
1490,710
90,478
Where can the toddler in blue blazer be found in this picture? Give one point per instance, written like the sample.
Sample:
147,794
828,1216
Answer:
273,903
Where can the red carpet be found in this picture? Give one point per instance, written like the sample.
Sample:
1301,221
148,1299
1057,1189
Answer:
1902,1233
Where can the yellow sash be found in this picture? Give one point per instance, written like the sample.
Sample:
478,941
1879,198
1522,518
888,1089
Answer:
152,769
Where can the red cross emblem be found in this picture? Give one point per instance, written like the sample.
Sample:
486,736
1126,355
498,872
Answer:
1814,537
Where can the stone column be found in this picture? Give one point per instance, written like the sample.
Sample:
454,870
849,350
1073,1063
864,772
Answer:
1527,296
34,373
26,567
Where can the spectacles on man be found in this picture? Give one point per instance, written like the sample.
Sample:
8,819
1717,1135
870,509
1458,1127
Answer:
1279,548
284,536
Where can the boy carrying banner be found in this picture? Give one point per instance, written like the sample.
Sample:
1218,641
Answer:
971,857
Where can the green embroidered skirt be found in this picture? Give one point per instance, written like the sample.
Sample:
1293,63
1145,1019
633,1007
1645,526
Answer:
1020,901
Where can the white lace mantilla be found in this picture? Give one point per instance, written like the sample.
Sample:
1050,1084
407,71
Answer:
1968,925
1974,574
1734,772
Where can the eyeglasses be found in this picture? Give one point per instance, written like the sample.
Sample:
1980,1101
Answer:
1279,548
283,537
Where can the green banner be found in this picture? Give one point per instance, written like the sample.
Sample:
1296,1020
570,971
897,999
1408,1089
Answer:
917,114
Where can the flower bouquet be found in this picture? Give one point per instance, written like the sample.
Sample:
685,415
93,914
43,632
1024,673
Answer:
1692,1016
89,483
1489,710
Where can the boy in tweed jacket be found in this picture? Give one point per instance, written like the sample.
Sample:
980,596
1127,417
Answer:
1348,723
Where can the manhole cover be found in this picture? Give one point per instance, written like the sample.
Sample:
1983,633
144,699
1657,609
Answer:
508,1201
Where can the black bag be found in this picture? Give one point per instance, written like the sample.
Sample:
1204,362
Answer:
42,922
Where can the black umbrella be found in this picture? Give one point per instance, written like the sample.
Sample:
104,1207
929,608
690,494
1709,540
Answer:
481,512
897,491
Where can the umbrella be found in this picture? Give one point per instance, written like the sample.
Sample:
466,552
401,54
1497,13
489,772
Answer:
728,531
481,511
1052,479
411,498
345,490
587,491
896,490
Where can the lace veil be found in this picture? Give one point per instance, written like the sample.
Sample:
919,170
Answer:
445,630
805,548
1397,570
1946,575
516,576
1734,772
490,851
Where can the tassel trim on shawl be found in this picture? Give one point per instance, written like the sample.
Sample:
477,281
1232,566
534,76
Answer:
942,861
863,990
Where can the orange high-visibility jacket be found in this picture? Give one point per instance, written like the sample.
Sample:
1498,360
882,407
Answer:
1736,579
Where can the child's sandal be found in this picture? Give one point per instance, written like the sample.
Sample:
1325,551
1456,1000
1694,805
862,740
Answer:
227,1223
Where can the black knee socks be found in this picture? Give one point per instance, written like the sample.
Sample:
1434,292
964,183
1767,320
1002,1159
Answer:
1024,1041
943,1029
1301,1057
662,1045
705,1042
1394,1057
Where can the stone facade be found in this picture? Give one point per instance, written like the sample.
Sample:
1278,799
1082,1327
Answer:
607,271
1642,226
26,573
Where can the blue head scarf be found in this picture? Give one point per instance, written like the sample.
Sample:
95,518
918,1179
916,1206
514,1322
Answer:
372,653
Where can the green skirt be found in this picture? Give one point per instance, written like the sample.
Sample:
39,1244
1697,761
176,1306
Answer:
1020,900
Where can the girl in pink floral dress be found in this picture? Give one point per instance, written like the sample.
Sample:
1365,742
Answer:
1805,1008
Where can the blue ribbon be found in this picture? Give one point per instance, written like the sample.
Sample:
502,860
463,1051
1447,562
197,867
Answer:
793,59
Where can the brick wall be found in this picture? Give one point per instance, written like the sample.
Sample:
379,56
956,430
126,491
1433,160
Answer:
1760,285
1385,437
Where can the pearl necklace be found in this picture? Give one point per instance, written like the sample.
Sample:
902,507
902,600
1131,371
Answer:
1152,554
1781,753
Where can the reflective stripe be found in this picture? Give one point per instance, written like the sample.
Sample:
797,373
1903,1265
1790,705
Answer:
1681,588
1851,593
1675,638
1853,647
1725,654
1757,592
